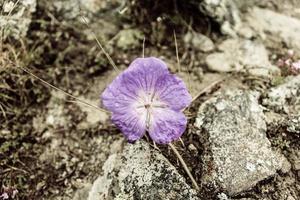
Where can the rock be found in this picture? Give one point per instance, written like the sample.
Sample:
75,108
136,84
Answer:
286,187
55,116
238,154
95,6
246,32
295,160
15,19
199,42
285,97
74,9
269,23
82,193
273,118
293,124
223,196
94,13
238,54
224,12
140,172
69,9
129,39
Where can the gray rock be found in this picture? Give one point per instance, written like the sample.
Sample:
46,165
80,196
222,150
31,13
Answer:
95,6
238,153
238,54
269,23
82,193
285,97
224,12
293,124
140,172
73,9
92,10
223,196
16,18
129,39
199,42
295,160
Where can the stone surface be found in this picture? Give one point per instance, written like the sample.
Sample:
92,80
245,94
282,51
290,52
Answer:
285,97
238,54
16,18
94,12
140,172
295,160
224,12
269,23
129,39
95,6
199,42
73,9
238,153
293,124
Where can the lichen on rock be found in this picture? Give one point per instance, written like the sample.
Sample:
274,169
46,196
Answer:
238,154
16,18
285,97
140,172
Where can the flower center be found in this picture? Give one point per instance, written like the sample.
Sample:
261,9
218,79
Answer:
148,100
146,103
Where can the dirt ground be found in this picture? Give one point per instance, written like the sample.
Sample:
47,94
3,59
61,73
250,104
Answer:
51,146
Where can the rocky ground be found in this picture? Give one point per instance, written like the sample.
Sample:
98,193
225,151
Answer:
242,140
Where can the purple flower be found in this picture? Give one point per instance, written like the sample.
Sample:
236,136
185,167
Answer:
147,97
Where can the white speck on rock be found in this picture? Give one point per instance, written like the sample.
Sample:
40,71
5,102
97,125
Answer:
220,105
50,120
251,167
222,196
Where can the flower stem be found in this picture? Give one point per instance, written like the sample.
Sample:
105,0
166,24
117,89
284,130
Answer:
184,166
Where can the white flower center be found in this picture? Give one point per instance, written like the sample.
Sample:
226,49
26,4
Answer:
147,102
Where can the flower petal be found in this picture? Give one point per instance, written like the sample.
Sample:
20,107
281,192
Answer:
132,124
173,92
142,74
117,98
166,125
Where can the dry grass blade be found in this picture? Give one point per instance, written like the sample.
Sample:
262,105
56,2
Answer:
3,111
100,45
208,88
13,8
144,47
176,48
184,166
64,92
